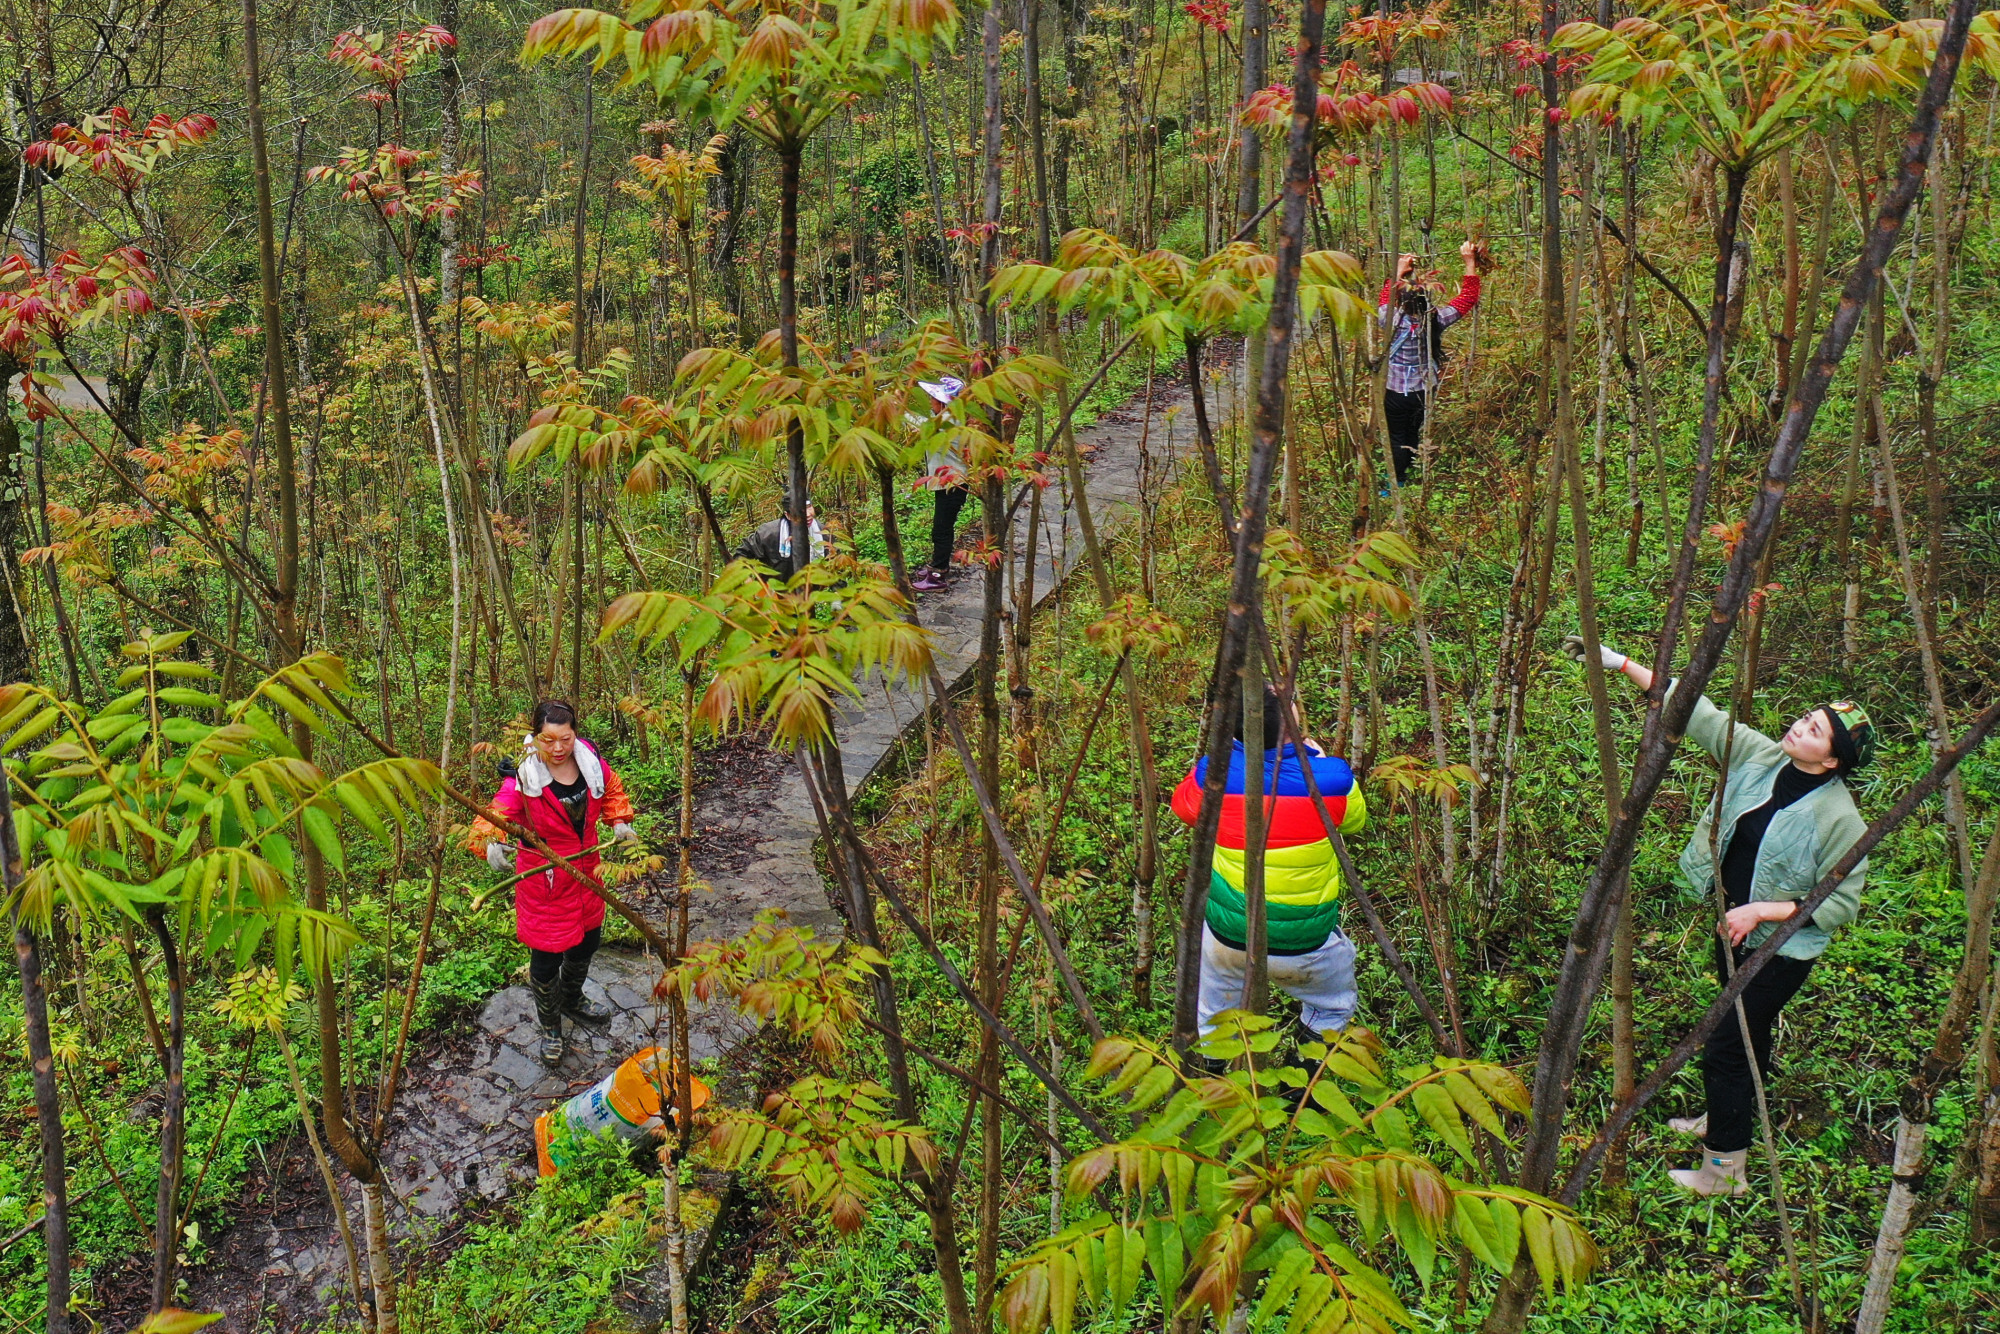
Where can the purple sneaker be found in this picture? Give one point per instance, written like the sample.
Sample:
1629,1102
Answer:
928,580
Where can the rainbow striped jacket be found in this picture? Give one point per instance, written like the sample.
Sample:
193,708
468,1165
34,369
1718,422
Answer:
1301,873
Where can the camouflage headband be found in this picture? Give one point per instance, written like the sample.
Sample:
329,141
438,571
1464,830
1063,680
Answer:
1853,734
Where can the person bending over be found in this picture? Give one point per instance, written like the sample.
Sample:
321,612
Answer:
1416,349
1310,958
1786,818
770,544
562,790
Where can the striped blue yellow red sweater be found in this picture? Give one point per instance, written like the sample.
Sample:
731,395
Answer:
1301,873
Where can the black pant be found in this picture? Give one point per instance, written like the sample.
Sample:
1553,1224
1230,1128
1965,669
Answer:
1725,1070
946,502
1405,415
545,966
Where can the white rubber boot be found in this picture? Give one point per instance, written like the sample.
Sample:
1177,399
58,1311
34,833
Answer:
1719,1174
1694,1127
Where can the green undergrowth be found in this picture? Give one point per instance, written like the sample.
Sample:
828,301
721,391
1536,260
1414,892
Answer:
554,1260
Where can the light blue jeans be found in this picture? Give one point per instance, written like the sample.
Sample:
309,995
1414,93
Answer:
1322,982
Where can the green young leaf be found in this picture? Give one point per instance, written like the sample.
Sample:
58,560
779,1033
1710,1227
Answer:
1541,1246
1062,1291
1466,1094
1394,1128
1441,1114
1152,1088
1283,1283
1166,1254
1506,1233
1124,1255
1475,1228
325,836
1315,1290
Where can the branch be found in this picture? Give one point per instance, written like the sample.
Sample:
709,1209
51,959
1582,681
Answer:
1029,895
999,1028
1700,324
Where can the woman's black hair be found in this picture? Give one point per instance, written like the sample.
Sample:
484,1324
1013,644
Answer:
1415,302
1274,721
558,711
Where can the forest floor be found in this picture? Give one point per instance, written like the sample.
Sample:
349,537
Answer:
462,1136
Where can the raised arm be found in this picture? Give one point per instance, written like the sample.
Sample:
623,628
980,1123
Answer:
1708,726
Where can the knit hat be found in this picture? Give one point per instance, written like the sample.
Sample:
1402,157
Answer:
1853,734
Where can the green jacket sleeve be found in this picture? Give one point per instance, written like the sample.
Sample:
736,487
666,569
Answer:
1708,727
1835,838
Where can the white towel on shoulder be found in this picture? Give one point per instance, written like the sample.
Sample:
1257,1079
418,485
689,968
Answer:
531,775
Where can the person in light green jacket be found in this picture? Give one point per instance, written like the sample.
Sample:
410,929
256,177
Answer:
1786,819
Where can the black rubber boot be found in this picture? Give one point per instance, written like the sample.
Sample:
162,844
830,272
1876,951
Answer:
574,1003
548,1019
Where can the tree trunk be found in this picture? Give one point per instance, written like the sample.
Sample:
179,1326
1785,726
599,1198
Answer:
1249,140
578,347
1249,536
173,1118
334,1199
16,663
826,780
42,1068
1256,831
790,157
381,1264
1939,1065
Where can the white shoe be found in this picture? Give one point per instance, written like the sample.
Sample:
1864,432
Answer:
1719,1174
1694,1127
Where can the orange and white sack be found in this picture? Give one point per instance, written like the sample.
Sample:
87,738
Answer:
625,1103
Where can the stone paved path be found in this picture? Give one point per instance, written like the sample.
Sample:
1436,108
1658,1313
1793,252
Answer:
463,1133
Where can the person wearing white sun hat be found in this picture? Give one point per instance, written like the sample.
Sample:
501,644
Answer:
944,476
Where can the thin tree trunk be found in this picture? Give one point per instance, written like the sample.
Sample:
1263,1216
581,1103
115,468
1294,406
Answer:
579,344
1939,1065
992,498
1239,624
1922,619
381,1264
173,1118
42,1069
790,155
1256,831
340,1138
16,663
828,785
333,1196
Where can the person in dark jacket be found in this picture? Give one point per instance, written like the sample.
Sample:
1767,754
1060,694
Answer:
771,543
1786,818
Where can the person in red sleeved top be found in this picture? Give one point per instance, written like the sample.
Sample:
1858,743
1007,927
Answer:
1416,349
561,789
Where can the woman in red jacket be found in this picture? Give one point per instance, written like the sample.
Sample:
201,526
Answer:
561,789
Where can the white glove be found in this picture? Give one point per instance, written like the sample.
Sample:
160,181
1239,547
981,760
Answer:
624,833
499,856
1613,660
